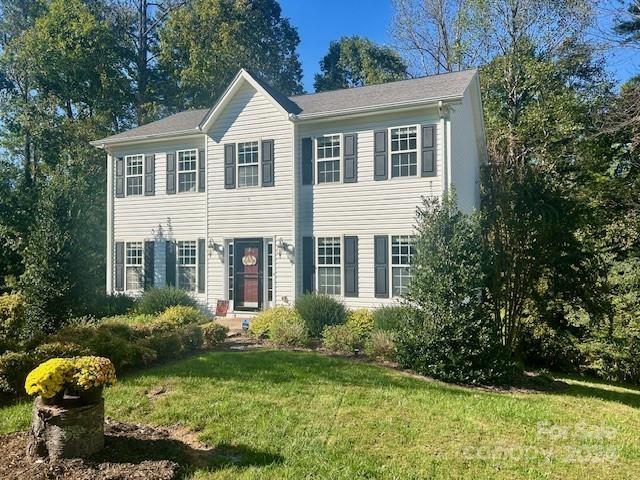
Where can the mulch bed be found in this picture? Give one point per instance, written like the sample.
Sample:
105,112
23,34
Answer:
132,451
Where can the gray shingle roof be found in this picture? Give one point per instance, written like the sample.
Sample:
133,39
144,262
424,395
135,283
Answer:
417,90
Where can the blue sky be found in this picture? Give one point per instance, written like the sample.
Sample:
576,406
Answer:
320,21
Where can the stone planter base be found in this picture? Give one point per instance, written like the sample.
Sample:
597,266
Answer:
65,432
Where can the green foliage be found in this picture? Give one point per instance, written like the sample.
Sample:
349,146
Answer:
289,331
262,324
223,36
110,305
390,317
318,311
47,351
11,317
381,345
450,335
14,368
131,319
182,315
214,334
355,62
361,322
157,300
341,339
615,358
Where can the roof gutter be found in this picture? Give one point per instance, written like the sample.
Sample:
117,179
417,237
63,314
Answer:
145,138
375,108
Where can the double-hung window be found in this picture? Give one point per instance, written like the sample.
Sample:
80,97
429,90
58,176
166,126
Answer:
402,250
248,164
329,265
328,158
134,174
187,264
404,151
133,266
187,168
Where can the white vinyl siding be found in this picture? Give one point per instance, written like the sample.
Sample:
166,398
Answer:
248,161
187,261
134,174
329,265
402,250
404,151
328,158
134,255
187,170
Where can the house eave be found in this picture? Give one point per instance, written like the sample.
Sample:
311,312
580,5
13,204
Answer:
146,138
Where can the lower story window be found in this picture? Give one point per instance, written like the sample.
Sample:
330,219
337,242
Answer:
134,265
329,265
187,261
402,250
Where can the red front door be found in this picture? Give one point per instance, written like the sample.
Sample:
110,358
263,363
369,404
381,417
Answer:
248,273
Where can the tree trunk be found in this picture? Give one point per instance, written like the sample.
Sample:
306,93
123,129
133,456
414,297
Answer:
60,432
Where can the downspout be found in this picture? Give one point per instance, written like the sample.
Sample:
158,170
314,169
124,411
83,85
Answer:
109,285
206,222
294,211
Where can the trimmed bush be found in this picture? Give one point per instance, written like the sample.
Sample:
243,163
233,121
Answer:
289,331
213,334
134,319
341,339
14,368
361,322
47,351
11,317
319,311
260,326
381,345
183,315
191,338
111,305
390,317
157,300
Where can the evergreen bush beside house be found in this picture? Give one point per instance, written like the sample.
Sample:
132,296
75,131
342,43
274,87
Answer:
157,300
318,311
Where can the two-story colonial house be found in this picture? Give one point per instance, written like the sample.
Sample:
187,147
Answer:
263,197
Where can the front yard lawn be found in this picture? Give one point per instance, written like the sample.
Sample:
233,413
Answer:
280,414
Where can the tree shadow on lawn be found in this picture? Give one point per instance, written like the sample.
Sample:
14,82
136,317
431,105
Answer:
131,449
630,397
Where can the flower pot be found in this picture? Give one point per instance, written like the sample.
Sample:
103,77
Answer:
57,399
91,396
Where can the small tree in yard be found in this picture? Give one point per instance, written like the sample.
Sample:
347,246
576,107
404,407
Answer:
450,334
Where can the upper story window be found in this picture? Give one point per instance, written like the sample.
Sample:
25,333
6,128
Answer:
187,262
248,164
328,158
187,170
134,174
404,151
329,265
133,266
402,250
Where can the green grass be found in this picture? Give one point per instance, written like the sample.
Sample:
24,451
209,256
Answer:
290,415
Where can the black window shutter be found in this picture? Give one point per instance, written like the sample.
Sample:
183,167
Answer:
307,161
267,163
170,262
380,161
149,174
230,165
149,257
428,168
202,176
171,173
119,177
119,264
381,261
351,266
202,256
351,158
308,265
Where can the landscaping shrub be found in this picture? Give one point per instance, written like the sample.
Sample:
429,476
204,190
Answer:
47,351
319,311
381,345
191,338
11,318
213,334
166,345
289,331
14,368
390,317
261,324
341,339
361,322
157,300
111,305
182,315
615,358
131,319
